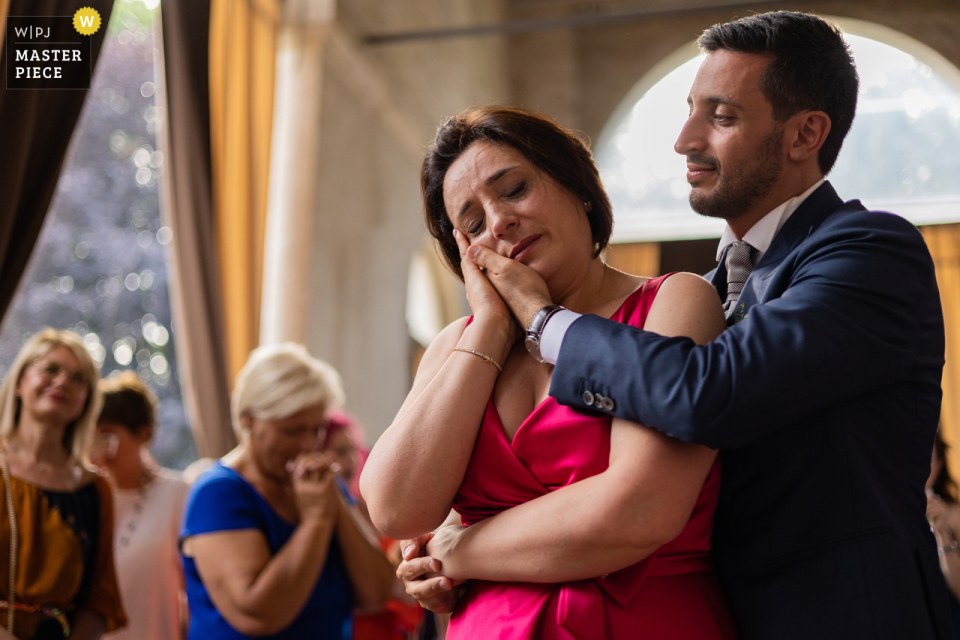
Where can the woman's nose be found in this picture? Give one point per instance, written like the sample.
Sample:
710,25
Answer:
501,221
309,442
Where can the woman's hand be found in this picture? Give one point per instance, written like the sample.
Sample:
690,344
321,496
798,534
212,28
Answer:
422,578
487,305
442,543
315,488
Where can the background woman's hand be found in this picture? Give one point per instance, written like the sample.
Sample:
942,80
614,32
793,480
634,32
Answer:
315,487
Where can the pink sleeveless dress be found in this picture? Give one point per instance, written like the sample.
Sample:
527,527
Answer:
671,595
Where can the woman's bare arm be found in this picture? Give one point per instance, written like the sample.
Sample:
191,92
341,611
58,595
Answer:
414,470
256,593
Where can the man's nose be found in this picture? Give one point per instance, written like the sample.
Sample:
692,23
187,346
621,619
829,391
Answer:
691,139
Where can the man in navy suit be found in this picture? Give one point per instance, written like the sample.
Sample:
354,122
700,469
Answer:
824,393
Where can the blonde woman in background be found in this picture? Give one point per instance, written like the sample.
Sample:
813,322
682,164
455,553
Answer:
148,504
270,546
59,509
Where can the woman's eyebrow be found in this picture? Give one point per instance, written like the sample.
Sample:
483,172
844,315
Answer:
499,174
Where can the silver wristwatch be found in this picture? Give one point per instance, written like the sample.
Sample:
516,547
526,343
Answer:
535,330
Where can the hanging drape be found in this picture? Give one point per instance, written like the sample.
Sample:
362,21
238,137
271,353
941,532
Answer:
637,258
195,292
37,128
4,8
243,44
944,244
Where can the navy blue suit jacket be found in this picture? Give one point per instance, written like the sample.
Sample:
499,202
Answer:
825,400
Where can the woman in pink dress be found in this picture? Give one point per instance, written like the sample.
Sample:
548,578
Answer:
479,438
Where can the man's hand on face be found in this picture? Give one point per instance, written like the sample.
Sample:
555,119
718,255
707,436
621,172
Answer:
521,287
422,580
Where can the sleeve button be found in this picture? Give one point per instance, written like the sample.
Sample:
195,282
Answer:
588,398
607,404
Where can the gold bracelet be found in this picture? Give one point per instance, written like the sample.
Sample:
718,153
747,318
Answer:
484,356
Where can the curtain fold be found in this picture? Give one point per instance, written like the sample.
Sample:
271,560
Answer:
187,194
637,258
944,244
37,129
243,45
4,8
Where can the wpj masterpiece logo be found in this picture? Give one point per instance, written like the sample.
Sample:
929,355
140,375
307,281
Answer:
50,52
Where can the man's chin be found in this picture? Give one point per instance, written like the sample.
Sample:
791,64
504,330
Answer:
705,205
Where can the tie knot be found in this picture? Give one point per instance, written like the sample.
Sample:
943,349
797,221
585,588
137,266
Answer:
740,256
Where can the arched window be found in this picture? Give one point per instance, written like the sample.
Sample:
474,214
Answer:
900,154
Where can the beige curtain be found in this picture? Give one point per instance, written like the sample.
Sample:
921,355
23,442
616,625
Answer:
944,244
243,44
637,258
187,207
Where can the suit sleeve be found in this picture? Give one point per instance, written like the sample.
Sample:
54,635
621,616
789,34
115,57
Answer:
861,311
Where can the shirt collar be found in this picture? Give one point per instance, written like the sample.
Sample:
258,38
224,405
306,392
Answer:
760,236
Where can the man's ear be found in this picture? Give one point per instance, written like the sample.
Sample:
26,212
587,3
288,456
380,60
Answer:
807,131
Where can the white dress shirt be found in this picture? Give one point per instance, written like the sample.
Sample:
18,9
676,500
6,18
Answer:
760,236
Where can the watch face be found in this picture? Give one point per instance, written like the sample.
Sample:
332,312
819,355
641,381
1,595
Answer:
533,347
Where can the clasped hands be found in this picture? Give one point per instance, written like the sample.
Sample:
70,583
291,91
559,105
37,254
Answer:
422,566
314,486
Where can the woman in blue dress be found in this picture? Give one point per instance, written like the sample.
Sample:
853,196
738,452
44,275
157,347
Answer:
271,546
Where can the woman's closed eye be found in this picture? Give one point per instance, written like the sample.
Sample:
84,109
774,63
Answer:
516,190
471,227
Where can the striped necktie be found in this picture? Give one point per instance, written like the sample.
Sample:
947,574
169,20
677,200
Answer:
739,265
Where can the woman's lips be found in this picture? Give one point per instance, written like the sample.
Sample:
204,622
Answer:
523,248
56,396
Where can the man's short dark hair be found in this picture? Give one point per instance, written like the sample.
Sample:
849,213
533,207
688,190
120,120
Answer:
811,68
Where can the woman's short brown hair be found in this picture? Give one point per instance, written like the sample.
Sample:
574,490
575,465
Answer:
127,401
551,148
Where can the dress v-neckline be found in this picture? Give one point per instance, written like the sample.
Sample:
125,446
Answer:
503,429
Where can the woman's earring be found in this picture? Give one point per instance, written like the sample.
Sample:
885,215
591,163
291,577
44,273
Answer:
588,206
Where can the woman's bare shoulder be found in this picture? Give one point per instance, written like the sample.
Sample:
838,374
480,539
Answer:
687,305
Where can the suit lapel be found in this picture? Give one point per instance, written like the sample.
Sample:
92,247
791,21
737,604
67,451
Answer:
804,221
